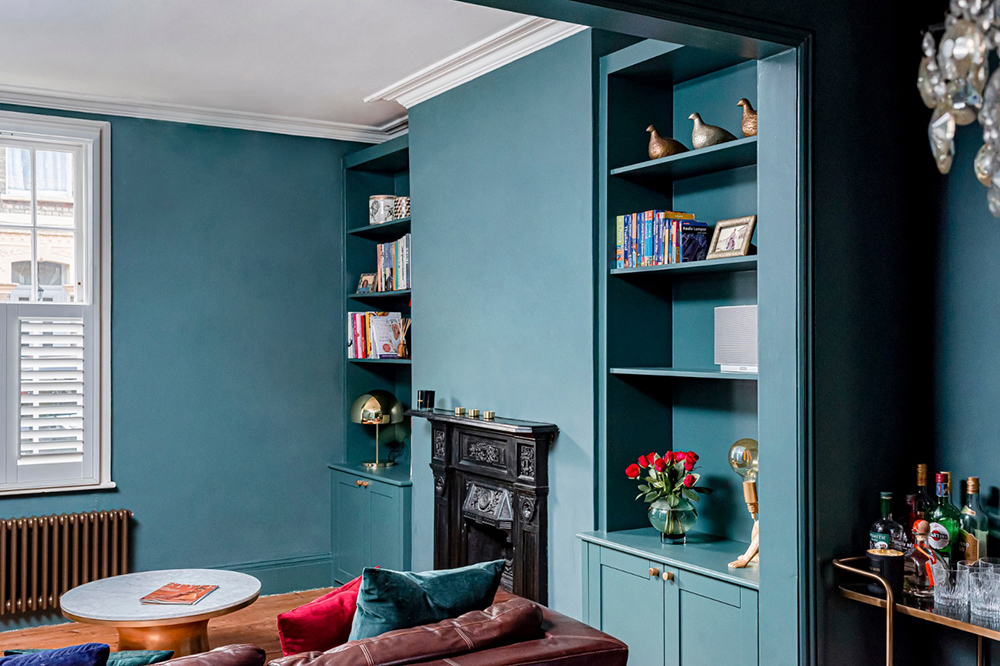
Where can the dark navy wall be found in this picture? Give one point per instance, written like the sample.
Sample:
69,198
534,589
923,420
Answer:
501,174
226,372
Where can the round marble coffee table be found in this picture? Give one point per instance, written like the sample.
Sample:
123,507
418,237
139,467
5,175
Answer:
184,629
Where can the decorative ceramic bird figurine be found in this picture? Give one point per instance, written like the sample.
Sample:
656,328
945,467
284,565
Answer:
663,146
704,135
749,125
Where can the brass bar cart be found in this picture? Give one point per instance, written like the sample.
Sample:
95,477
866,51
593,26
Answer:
959,621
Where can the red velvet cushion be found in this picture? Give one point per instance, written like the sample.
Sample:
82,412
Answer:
321,624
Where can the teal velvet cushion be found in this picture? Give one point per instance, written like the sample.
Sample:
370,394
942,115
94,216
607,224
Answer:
397,600
124,658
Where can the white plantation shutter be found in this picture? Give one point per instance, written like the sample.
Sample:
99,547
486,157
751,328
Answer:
52,390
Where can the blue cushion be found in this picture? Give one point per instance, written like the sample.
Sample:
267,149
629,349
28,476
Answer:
89,654
391,600
122,658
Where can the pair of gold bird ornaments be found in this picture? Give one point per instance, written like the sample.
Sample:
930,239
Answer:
703,135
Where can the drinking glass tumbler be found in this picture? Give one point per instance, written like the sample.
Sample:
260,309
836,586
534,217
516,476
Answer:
965,568
990,562
949,588
984,592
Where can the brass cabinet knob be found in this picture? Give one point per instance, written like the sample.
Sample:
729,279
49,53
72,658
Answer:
667,576
358,483
653,572
364,484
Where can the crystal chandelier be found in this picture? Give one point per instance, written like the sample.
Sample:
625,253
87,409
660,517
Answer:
952,81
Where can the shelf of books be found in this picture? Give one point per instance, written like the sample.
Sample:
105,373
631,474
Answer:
377,259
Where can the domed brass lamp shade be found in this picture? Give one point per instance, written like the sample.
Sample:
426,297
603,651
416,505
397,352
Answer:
377,408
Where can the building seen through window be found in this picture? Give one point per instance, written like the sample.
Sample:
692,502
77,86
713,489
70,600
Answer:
38,225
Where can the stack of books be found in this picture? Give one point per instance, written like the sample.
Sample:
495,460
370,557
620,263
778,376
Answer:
659,237
376,335
393,265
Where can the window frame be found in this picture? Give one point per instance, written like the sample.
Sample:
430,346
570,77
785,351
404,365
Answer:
95,272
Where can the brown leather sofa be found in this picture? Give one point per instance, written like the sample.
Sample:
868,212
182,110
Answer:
511,631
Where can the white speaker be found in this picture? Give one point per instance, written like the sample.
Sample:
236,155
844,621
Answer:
736,338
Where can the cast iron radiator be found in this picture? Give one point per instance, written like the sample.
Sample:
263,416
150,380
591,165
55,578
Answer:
43,556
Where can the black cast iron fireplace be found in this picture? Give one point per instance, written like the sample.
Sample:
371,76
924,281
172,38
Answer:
491,496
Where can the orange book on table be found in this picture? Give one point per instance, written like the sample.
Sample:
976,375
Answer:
179,594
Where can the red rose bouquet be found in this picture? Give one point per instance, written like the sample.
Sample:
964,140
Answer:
668,477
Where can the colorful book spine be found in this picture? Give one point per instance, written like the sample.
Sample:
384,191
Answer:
620,241
657,241
626,240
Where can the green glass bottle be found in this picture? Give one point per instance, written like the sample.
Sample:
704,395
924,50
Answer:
945,522
974,524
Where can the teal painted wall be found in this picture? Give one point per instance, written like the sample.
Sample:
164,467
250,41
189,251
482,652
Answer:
226,365
501,174
966,368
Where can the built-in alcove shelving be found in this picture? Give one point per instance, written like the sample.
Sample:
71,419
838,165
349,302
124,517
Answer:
659,388
379,169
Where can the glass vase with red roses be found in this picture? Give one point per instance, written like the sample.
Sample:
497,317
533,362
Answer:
669,484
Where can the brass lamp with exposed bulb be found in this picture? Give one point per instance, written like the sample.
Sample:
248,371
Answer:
378,408
743,460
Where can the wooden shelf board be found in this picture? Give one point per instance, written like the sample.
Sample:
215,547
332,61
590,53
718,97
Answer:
398,293
382,361
728,265
699,373
703,554
386,231
731,155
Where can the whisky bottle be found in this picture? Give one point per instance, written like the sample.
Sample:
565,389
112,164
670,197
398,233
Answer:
944,521
918,580
974,524
885,532
924,500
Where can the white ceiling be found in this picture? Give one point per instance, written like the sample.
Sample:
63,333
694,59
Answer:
314,60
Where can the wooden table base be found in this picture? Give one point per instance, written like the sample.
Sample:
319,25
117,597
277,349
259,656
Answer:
183,639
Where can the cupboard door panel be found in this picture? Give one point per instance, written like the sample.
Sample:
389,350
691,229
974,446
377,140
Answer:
351,528
631,611
710,631
385,528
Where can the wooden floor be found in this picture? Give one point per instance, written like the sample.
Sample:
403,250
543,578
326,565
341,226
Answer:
254,624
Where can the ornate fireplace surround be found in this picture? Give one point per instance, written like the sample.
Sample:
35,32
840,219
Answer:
491,496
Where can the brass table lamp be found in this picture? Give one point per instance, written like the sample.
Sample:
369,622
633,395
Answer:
378,408
743,460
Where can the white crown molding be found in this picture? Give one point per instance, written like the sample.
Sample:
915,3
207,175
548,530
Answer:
245,120
517,41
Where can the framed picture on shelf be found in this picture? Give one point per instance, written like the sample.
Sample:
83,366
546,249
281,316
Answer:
732,237
367,283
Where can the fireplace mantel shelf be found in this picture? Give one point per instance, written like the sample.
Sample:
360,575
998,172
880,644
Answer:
501,425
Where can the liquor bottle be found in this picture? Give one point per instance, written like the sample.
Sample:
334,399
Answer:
924,500
974,524
918,581
885,532
944,521
913,516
